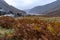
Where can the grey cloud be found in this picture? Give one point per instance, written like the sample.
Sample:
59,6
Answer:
26,4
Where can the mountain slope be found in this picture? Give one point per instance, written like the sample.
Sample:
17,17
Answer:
44,8
56,12
10,9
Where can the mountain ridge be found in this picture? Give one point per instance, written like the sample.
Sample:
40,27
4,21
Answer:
45,8
10,9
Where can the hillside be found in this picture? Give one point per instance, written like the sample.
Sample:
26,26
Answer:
54,13
4,7
45,8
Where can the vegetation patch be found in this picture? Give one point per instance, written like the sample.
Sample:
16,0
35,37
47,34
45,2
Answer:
30,28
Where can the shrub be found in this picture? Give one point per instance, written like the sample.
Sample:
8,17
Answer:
7,22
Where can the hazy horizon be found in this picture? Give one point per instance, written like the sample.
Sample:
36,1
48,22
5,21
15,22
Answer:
28,4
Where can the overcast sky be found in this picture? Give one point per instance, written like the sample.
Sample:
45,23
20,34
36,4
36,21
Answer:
27,4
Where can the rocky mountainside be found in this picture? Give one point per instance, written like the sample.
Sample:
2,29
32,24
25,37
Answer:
46,8
4,7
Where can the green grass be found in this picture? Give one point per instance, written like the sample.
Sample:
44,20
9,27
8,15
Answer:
4,31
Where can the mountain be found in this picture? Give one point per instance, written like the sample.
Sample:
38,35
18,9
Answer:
53,12
4,7
45,8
